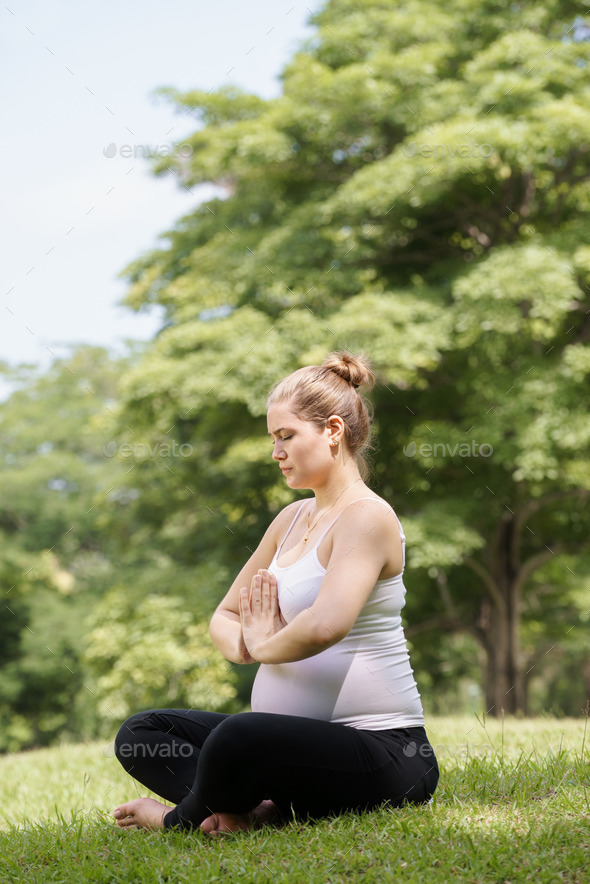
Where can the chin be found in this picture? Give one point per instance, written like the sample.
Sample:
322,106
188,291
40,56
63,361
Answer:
301,486
292,481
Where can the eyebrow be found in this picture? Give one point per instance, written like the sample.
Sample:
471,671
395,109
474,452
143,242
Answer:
280,430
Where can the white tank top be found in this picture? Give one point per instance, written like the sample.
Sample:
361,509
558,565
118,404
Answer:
365,680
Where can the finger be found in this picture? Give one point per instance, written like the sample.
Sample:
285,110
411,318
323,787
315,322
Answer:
245,612
265,591
274,597
272,580
253,582
272,591
256,596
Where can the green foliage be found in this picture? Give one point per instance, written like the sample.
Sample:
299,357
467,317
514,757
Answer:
15,568
153,655
419,191
69,535
53,474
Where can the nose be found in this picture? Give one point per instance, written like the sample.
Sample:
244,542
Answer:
278,452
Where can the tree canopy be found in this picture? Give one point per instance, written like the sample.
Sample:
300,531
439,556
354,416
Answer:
419,192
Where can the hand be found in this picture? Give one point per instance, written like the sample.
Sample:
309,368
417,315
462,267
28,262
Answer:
243,651
260,613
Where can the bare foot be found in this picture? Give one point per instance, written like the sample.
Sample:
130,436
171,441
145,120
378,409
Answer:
266,812
142,813
218,823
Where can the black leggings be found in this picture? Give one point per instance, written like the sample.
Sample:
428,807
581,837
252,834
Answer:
207,762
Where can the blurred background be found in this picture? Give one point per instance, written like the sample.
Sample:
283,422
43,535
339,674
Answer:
200,200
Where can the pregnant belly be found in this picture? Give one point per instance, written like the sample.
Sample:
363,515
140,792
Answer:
307,687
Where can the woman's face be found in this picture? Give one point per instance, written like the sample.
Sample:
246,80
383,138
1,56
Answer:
300,447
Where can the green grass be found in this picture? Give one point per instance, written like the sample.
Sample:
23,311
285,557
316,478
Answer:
513,804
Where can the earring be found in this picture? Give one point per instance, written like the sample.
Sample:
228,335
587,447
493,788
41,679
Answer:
334,442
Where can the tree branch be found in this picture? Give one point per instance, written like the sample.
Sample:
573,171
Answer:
533,563
488,581
443,622
443,588
534,505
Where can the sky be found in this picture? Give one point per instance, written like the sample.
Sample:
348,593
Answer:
78,80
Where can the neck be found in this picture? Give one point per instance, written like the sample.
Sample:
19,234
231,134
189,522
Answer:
336,485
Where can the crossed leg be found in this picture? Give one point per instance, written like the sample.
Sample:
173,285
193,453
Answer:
175,735
232,772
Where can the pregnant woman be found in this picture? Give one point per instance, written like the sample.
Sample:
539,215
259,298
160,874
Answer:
336,721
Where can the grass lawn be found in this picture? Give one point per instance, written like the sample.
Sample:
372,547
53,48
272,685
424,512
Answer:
513,804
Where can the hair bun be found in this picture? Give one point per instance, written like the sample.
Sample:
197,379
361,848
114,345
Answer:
356,370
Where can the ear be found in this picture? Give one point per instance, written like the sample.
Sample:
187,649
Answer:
335,428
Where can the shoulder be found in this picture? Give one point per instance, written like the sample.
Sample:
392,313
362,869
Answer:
277,529
280,523
368,531
291,510
370,515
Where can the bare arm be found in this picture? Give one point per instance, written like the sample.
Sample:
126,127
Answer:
362,545
225,627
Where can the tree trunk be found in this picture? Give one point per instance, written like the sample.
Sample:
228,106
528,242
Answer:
504,689
499,623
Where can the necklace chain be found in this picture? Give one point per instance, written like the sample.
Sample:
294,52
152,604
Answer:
310,528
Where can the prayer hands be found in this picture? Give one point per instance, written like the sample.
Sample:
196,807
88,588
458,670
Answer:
260,613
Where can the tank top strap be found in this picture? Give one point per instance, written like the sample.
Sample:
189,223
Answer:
377,500
279,548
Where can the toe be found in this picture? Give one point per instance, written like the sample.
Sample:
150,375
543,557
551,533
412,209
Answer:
210,826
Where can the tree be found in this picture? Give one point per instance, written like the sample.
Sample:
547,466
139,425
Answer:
152,655
53,558
68,539
419,191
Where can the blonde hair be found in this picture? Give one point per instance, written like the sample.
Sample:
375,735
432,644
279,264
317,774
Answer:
319,391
